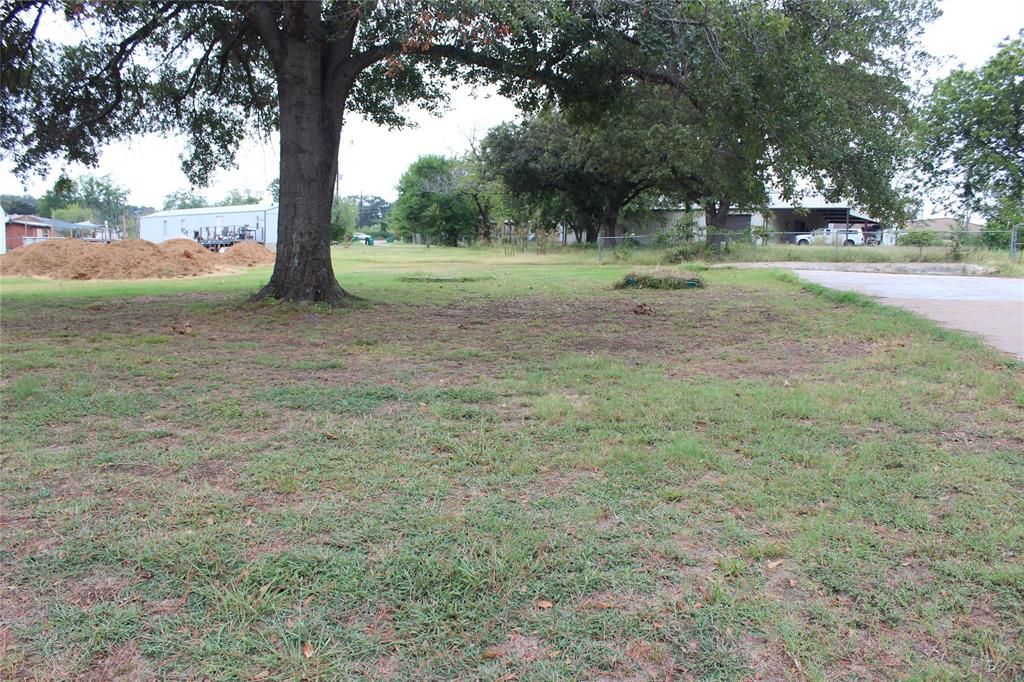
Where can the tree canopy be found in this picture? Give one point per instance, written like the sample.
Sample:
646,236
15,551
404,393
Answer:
90,197
344,216
433,203
240,197
184,198
972,137
19,203
370,209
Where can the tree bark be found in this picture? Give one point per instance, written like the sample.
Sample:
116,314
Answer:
591,233
311,122
611,219
716,216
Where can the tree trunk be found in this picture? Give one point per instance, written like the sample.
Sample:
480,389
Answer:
716,216
591,233
310,134
484,211
611,220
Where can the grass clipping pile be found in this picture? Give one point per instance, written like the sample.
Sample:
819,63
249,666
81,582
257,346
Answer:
128,259
660,278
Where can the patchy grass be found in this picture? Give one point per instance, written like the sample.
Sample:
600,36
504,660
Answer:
514,476
443,279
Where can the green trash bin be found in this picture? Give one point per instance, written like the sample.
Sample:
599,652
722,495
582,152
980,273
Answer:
369,241
390,240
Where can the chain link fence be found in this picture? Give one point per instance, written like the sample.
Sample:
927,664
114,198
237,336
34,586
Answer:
841,237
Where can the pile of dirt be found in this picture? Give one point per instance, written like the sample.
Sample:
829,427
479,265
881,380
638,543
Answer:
124,259
248,254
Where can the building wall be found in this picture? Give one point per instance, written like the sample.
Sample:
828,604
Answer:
19,234
166,225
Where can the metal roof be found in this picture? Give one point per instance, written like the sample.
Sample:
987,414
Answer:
27,219
206,210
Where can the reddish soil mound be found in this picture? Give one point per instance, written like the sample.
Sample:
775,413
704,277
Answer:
126,259
248,254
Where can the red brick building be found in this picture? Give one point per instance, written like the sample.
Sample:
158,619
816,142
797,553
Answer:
25,229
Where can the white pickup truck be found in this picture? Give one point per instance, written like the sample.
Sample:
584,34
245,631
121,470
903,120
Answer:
833,234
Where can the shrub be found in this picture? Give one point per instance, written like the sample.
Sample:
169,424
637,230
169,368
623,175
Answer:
920,238
691,251
660,279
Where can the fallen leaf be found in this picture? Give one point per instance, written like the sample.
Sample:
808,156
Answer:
492,653
307,650
330,436
728,632
792,583
554,654
772,565
248,521
544,604
643,309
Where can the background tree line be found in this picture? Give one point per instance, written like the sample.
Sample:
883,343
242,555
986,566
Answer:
582,170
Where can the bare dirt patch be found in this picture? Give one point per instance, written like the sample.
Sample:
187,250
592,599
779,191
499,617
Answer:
519,647
121,664
97,586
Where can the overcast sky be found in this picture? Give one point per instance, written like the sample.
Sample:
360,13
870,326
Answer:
373,158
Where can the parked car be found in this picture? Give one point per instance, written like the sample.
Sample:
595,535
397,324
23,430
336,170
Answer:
833,234
360,236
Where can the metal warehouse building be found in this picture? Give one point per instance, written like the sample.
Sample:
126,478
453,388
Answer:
255,221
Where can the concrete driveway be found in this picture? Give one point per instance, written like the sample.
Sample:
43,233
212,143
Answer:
991,307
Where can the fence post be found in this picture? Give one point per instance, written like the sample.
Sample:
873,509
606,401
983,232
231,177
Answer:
1014,233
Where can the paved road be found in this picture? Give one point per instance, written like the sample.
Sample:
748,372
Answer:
991,307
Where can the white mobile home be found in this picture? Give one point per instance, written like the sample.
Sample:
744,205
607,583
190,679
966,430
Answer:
255,221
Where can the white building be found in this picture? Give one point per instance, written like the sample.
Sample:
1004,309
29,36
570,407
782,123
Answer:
255,221
3,230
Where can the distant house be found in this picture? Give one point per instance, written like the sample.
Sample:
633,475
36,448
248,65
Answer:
942,225
256,221
20,230
780,222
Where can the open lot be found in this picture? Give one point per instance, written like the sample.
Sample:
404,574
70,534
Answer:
509,476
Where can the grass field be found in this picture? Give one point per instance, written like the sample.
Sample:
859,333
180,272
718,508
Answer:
496,469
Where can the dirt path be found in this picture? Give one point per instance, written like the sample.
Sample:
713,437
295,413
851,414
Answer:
991,307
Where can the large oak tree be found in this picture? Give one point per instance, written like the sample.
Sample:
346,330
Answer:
223,69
